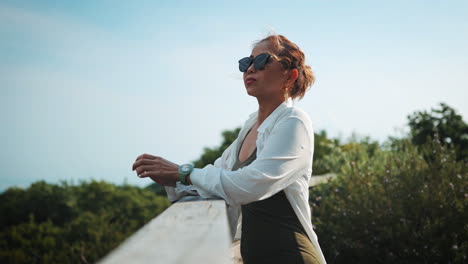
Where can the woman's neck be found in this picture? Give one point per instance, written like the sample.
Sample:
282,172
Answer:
265,109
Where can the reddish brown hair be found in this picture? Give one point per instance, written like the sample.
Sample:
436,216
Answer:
292,57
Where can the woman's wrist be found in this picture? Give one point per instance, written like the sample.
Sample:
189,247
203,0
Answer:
188,180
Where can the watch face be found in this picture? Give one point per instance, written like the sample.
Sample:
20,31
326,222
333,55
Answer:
185,168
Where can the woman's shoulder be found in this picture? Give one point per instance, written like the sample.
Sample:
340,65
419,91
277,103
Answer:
297,113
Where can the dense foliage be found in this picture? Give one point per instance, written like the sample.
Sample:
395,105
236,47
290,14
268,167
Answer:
400,202
49,223
209,155
403,202
398,206
443,123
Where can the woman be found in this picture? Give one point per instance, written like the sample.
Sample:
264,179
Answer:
266,170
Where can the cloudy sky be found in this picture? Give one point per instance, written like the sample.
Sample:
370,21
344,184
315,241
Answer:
87,86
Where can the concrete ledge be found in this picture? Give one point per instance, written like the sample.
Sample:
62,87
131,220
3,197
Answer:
194,231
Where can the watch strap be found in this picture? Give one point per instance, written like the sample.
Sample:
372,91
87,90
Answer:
183,178
184,171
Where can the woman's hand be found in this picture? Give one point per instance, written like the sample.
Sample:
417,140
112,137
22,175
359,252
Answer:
158,169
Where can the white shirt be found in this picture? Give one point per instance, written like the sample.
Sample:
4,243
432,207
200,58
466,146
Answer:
285,146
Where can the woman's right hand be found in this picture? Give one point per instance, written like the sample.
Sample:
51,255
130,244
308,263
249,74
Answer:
160,170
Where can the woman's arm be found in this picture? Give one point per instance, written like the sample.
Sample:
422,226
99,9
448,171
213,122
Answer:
286,156
166,173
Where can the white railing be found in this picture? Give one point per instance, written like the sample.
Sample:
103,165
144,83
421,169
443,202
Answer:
193,230
190,231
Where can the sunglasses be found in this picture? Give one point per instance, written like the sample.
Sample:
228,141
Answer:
259,62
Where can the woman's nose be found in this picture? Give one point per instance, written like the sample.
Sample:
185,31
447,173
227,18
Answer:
251,68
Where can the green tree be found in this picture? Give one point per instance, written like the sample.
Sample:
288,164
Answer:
443,123
330,155
49,223
32,242
44,201
323,147
209,155
157,189
394,207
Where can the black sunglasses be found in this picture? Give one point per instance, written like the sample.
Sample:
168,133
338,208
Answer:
259,62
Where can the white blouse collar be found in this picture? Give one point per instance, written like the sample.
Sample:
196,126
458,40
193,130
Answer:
271,119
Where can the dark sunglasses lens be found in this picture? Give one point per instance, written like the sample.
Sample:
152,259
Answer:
245,63
260,61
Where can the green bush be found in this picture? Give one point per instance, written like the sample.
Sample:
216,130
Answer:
399,205
49,223
330,155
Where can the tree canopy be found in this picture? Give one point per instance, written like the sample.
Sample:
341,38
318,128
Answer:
50,223
443,123
402,202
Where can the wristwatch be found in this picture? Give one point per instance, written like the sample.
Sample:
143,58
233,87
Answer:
184,171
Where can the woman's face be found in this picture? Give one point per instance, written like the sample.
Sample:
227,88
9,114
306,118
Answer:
266,84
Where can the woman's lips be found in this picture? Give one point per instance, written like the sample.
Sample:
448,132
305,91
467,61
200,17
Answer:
249,81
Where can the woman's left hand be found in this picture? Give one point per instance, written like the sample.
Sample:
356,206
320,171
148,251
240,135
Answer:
158,169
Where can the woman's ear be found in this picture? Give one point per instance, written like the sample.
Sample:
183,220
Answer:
293,75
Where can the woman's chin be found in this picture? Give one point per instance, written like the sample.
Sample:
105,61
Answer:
250,92
250,89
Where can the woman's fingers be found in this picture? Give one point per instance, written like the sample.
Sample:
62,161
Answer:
159,175
144,161
147,156
145,174
144,156
158,169
143,168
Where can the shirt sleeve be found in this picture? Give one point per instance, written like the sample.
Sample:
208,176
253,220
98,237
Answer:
285,157
175,193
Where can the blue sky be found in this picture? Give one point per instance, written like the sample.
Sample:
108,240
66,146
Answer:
87,86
